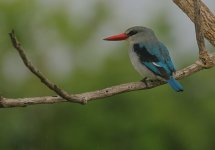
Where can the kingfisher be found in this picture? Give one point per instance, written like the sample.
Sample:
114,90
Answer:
148,55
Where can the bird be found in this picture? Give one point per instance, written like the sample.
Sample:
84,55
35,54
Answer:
148,55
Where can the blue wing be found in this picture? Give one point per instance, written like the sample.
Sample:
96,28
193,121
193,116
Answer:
166,57
155,57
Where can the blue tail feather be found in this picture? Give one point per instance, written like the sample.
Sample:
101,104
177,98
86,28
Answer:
175,84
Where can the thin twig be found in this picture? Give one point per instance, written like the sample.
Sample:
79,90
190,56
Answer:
36,72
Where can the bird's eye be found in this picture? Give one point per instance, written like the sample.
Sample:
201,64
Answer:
133,32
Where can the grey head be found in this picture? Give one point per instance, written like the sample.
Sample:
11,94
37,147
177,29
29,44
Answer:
137,34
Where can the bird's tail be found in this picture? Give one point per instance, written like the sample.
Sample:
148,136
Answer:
175,84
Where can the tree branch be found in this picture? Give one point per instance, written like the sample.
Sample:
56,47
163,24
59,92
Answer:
204,21
208,19
203,53
37,73
199,26
186,5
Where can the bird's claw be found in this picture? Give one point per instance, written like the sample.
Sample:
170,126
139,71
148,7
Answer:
144,80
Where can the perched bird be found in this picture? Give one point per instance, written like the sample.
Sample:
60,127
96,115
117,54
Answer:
149,56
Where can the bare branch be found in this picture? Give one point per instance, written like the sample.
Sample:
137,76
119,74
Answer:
203,53
204,22
36,72
208,19
199,26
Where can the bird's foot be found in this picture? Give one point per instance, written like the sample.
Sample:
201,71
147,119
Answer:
144,80
150,82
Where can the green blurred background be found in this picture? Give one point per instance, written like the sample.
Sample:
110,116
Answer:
63,39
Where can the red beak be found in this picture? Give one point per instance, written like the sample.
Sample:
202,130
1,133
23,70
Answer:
118,37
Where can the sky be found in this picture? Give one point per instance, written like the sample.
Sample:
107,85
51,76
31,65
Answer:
127,13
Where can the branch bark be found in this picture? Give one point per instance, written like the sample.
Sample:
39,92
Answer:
208,19
187,6
199,26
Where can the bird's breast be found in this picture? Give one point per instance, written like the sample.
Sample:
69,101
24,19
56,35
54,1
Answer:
139,67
